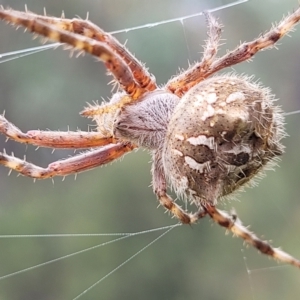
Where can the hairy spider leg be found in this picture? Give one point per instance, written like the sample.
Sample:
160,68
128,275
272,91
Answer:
234,224
79,163
54,139
90,30
181,84
113,62
159,184
230,222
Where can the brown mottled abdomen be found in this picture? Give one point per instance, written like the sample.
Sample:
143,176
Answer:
221,134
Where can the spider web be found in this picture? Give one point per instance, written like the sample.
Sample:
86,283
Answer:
187,262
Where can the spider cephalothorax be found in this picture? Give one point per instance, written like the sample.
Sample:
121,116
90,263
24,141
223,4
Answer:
209,136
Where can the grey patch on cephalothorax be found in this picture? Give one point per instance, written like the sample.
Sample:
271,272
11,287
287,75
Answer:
145,122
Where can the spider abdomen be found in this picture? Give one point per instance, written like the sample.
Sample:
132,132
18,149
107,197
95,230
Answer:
221,134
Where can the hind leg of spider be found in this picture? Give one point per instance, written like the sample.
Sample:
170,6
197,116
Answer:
159,185
54,139
79,163
233,224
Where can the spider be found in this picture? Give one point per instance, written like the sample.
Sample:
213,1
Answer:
209,136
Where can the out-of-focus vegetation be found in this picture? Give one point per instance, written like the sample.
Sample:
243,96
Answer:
47,90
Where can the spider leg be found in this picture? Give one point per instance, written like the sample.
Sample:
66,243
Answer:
234,224
159,184
246,50
212,44
186,218
140,73
54,139
113,62
90,30
183,82
242,53
79,163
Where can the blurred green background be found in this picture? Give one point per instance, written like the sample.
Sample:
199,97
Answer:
47,90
